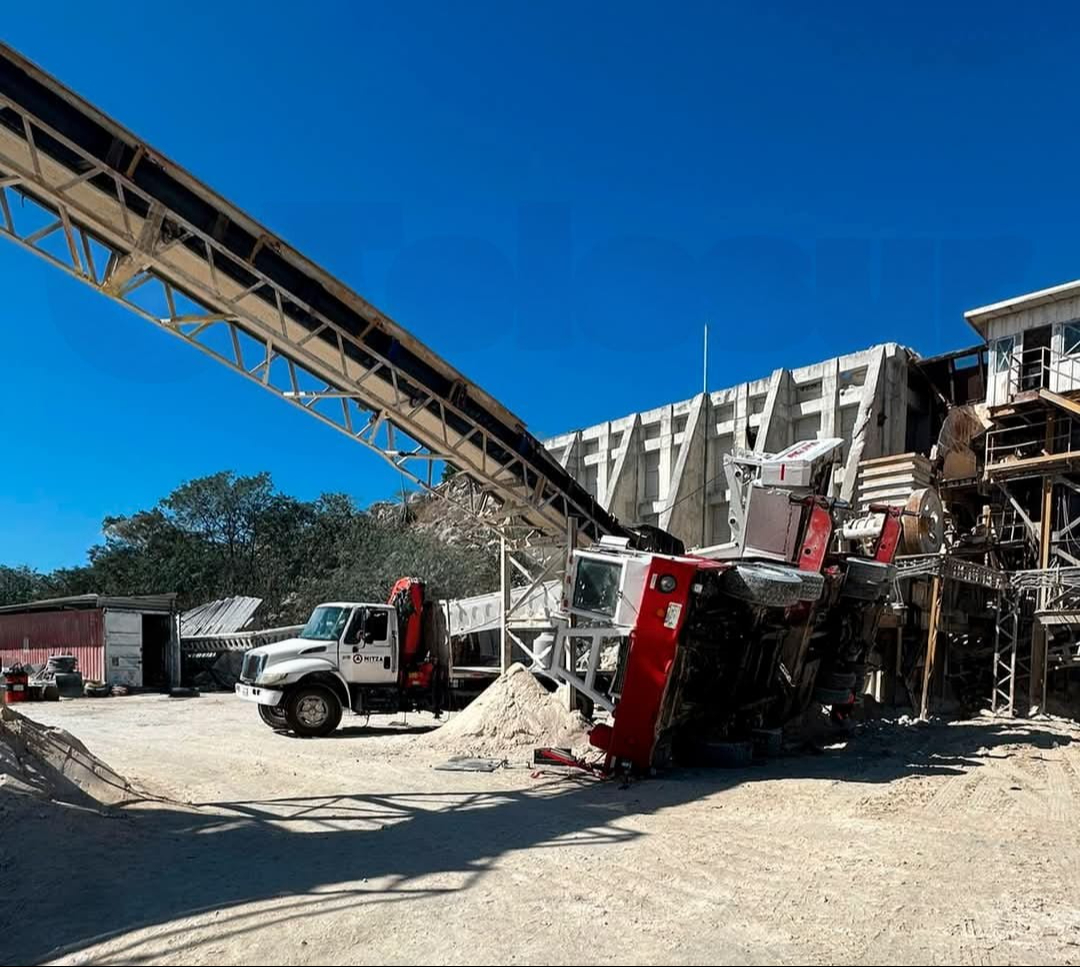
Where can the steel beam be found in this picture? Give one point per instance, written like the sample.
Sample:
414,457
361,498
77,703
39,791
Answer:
128,222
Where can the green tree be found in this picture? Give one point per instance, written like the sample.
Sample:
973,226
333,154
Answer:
19,584
227,534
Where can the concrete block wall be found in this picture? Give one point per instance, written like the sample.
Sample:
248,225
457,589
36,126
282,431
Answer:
651,466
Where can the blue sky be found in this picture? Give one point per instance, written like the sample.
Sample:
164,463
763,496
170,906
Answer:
554,196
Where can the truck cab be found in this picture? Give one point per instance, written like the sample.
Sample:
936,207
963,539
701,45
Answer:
357,656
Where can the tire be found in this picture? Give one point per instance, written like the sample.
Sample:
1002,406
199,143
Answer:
274,716
183,692
760,584
312,711
812,583
867,580
835,686
828,696
69,684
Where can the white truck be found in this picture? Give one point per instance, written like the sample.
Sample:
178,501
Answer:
358,656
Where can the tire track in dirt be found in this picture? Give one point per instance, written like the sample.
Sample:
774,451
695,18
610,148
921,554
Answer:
1060,794
954,790
973,944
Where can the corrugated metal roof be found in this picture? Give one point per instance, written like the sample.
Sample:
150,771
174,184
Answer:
225,616
138,602
980,316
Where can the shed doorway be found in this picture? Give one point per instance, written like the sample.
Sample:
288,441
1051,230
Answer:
155,650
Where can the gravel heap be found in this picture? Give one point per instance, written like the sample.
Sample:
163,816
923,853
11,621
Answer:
514,713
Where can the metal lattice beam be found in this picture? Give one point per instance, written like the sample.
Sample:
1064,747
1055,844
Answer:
86,195
1009,665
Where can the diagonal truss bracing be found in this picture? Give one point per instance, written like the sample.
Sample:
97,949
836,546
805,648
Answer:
85,194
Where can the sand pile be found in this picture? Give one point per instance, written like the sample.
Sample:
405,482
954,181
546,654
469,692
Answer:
54,764
514,713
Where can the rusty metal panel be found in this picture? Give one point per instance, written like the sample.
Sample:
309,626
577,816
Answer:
53,628
31,638
91,659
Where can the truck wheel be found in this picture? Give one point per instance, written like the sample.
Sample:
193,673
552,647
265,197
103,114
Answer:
312,710
812,584
867,580
274,716
770,587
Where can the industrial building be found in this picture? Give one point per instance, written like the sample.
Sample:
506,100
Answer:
990,617
665,466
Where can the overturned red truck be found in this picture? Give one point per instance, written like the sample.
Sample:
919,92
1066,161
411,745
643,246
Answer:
741,636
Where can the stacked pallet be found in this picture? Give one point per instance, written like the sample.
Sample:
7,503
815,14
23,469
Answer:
890,480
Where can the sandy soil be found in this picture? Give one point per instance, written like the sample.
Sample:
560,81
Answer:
913,845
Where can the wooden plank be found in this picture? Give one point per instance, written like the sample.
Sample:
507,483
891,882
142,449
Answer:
1045,462
1037,690
931,645
1062,402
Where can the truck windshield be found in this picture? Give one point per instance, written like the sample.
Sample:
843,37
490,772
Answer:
596,588
326,624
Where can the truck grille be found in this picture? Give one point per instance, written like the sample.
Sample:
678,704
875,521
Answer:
252,667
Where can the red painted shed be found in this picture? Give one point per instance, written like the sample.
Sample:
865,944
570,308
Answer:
121,640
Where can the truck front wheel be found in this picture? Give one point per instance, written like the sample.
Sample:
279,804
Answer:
274,716
312,710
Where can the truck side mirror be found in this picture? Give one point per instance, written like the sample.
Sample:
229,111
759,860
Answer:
355,631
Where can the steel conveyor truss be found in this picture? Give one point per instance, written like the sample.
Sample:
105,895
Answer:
87,195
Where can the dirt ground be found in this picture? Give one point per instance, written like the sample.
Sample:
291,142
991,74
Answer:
936,844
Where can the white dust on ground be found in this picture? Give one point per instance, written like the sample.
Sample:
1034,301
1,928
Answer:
513,714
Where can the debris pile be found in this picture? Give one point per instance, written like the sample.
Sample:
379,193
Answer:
514,713
444,520
54,764
224,673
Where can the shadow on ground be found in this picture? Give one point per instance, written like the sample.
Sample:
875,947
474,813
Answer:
164,863
362,731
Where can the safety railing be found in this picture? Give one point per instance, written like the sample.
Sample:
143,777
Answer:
1056,589
951,568
1040,367
1042,436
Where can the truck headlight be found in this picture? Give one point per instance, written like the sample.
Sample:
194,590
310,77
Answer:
272,678
667,583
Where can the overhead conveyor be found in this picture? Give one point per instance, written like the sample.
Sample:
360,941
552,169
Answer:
89,196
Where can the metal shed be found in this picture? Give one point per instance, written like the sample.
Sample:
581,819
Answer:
130,641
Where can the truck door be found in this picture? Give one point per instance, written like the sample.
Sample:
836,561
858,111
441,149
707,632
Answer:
368,647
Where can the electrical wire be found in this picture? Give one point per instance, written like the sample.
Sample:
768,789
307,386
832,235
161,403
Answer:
687,496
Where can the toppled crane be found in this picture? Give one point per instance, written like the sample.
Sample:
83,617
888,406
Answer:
738,637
